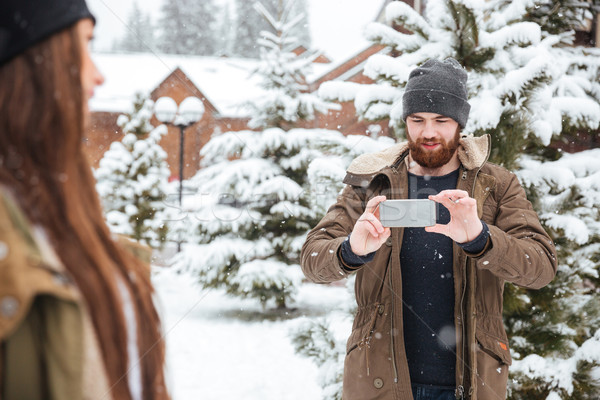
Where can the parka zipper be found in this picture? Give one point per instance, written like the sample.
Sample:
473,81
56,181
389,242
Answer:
394,367
460,390
393,353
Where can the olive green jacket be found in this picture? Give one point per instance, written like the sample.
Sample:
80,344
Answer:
48,347
518,251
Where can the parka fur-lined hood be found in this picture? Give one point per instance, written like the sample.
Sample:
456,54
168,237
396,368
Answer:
472,153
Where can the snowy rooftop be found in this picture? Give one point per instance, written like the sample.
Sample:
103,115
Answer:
226,82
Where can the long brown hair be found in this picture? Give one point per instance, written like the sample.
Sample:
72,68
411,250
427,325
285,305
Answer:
42,161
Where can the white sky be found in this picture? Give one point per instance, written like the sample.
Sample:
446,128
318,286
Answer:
336,25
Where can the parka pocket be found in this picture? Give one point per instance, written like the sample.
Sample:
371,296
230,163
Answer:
364,326
494,347
493,359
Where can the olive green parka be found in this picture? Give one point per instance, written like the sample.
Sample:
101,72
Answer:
48,346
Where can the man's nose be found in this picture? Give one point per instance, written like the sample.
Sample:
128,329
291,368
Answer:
428,130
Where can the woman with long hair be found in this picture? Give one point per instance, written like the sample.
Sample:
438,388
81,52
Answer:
77,319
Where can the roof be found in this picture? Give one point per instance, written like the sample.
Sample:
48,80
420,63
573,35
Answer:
226,82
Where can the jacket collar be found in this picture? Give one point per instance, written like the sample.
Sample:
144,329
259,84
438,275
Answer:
473,152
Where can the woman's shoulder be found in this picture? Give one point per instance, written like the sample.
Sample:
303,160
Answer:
27,270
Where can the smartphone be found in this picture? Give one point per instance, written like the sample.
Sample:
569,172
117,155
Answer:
409,213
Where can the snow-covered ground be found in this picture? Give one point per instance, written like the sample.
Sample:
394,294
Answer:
224,348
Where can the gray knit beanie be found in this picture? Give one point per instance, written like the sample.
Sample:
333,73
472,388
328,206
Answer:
438,87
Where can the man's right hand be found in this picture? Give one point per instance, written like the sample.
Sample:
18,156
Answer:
368,234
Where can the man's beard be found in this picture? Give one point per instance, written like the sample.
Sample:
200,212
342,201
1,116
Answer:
433,158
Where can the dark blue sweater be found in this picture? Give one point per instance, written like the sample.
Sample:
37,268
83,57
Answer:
428,292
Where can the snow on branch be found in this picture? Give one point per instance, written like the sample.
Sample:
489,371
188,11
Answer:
266,273
380,66
520,34
238,176
387,36
571,193
518,81
282,186
226,145
374,102
488,109
339,91
515,10
267,15
559,374
582,112
406,16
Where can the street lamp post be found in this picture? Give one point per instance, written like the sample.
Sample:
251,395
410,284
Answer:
187,114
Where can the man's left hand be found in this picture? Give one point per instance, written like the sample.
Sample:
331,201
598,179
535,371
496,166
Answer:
464,224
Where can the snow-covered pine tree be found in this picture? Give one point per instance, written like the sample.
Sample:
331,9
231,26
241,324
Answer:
250,25
555,332
527,84
132,178
139,33
324,341
255,200
559,16
247,28
225,35
283,75
187,27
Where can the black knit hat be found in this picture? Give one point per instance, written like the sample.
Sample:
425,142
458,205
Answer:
24,23
438,87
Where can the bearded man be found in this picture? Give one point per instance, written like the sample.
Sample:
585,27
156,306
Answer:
429,317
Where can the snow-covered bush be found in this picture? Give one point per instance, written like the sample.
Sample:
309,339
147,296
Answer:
132,178
323,340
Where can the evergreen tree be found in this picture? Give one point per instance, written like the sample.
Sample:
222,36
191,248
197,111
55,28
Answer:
247,29
258,195
556,16
132,178
253,190
187,27
555,331
527,85
225,35
324,341
282,74
139,33
250,25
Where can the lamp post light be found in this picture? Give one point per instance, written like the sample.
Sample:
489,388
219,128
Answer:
187,114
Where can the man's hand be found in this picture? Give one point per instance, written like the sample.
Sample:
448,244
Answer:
368,234
464,224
